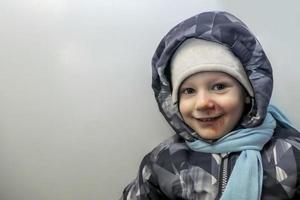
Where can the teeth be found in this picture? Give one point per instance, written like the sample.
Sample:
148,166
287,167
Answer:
208,119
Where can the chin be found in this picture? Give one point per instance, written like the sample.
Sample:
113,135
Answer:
211,135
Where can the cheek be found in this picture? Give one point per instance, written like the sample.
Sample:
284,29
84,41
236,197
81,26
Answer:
235,101
234,108
184,108
181,108
232,105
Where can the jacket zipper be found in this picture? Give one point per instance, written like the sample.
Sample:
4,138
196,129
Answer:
224,173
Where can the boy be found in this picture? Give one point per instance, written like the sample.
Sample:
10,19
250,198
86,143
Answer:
213,83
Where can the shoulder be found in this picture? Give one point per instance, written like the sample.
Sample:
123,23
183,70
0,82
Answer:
168,148
160,161
283,149
285,138
172,152
281,162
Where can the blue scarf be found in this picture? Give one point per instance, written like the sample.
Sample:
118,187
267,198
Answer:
245,182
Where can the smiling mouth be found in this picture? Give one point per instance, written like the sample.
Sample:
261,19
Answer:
209,119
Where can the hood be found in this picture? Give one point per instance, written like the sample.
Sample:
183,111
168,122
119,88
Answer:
226,29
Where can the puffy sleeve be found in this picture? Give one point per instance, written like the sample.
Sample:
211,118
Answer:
145,186
297,193
297,155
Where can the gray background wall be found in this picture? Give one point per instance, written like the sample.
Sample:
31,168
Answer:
77,112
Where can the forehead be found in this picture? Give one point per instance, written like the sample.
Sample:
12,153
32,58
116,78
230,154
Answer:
211,76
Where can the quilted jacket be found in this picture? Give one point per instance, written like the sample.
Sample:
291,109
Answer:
172,170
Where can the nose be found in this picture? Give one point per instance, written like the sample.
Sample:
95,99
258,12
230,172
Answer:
204,101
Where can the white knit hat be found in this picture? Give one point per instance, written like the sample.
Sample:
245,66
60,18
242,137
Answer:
197,55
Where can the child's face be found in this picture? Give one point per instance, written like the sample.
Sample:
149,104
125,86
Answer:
211,103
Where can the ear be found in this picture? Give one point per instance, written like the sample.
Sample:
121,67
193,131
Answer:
247,100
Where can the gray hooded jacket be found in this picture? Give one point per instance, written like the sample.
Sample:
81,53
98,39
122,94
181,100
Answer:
172,170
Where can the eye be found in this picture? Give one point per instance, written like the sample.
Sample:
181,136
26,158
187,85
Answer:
219,86
187,91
